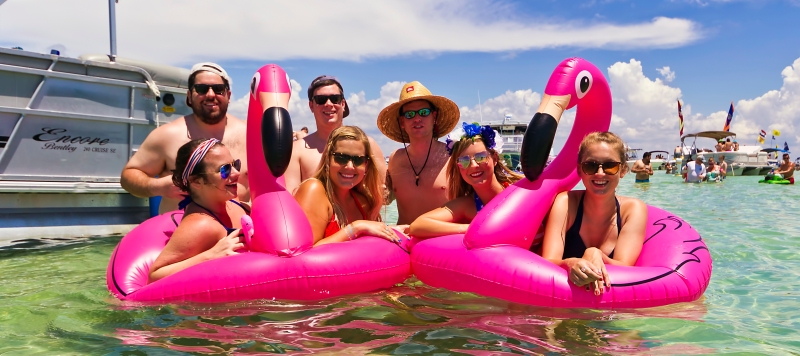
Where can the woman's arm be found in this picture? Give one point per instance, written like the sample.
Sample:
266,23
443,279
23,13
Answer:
196,240
311,197
631,237
443,221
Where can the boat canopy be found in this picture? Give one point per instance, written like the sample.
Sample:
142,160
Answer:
162,74
716,135
770,150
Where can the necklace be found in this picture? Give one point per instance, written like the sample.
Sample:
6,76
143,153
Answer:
416,174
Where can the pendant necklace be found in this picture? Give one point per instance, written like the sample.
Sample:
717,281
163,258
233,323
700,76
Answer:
416,175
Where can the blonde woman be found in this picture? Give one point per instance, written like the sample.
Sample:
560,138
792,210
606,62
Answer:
343,199
475,175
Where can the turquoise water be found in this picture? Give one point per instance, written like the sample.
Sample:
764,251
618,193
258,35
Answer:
53,300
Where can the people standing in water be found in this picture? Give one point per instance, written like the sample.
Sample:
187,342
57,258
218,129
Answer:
643,169
712,171
149,171
786,170
475,175
211,225
587,229
695,170
723,167
327,103
416,173
343,199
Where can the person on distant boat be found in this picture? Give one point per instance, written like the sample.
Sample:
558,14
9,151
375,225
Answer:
211,223
417,173
695,170
327,102
343,199
643,169
728,145
475,175
723,167
587,229
678,152
300,134
735,145
786,170
148,173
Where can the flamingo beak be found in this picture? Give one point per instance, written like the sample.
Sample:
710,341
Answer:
541,133
276,132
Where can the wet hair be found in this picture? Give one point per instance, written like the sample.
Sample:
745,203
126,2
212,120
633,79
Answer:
182,160
369,187
457,186
608,138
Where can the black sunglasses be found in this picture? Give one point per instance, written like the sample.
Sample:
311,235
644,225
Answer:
421,112
342,159
225,170
202,89
591,167
322,99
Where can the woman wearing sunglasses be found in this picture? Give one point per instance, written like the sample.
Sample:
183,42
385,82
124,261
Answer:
210,226
587,229
343,199
475,175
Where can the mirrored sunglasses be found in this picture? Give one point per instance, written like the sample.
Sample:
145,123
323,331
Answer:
342,159
421,112
226,169
480,157
591,167
202,89
322,99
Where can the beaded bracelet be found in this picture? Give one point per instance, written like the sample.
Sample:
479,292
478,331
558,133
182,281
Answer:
349,231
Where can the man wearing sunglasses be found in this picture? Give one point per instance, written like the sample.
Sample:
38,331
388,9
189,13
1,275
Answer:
643,169
327,103
417,174
149,171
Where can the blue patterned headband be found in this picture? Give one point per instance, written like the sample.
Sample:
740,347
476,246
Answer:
471,131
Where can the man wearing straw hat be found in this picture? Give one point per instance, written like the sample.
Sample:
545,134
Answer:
327,103
417,173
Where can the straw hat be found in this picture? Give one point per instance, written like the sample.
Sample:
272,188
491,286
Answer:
446,119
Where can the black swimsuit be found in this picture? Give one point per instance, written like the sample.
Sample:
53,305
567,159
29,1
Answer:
573,244
228,229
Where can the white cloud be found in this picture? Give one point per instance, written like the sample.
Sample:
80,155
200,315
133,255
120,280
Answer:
187,31
667,74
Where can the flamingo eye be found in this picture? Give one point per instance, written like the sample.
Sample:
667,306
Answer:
583,83
254,83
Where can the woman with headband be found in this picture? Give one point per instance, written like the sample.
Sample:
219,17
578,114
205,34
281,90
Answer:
343,199
587,229
475,175
210,227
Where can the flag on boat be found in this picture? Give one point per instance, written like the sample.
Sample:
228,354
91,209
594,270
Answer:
775,133
728,120
680,117
760,140
763,134
785,146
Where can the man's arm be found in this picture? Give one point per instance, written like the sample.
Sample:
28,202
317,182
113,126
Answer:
638,167
377,158
388,186
146,163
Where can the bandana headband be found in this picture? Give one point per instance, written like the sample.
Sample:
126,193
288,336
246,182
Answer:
196,157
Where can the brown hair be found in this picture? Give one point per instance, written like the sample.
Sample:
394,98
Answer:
182,160
457,186
370,186
608,138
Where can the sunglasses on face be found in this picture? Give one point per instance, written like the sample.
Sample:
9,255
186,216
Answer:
202,89
342,159
225,170
421,112
480,158
322,99
591,167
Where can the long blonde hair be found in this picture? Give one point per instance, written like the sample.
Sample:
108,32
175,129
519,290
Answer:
457,186
369,187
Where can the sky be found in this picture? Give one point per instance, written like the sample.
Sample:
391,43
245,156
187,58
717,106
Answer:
492,57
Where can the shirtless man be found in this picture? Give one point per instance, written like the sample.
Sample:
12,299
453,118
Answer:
327,103
643,169
723,167
728,145
417,172
208,96
786,169
719,146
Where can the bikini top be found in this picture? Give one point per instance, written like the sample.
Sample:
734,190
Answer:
228,229
333,225
573,244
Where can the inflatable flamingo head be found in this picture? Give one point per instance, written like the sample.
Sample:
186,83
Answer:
574,77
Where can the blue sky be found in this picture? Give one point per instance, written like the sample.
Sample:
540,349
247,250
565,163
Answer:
716,52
